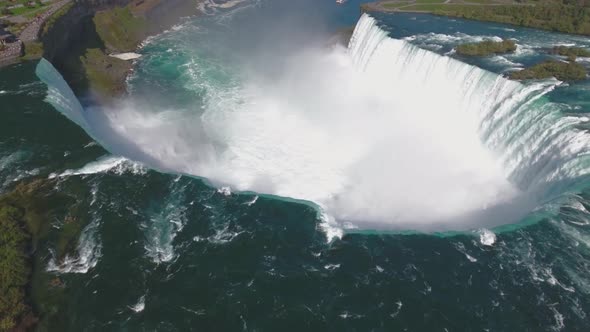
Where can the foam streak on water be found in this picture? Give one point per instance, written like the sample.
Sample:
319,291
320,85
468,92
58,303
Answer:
88,252
163,224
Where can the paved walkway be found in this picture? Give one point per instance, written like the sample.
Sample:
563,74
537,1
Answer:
31,32
13,51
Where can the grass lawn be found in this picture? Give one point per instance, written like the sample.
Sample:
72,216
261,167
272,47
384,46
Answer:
26,10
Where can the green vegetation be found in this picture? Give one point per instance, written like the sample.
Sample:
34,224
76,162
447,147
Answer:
421,5
571,52
22,7
36,7
68,237
86,65
568,16
21,226
33,50
14,267
555,17
563,71
5,11
24,229
119,29
15,28
105,74
487,47
53,18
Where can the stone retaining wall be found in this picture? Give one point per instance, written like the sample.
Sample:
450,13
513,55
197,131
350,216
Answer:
11,52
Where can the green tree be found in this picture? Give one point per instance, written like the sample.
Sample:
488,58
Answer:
14,268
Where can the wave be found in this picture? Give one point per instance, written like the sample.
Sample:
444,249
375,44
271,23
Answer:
116,165
382,135
441,38
139,306
88,252
163,224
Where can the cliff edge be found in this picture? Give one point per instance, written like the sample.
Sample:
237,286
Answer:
79,40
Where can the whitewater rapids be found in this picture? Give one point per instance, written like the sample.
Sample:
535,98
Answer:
381,134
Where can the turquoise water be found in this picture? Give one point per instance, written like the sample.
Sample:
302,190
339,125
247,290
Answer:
162,251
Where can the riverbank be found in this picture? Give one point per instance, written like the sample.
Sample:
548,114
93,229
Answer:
553,15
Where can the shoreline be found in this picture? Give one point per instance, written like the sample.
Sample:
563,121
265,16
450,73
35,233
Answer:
380,6
519,14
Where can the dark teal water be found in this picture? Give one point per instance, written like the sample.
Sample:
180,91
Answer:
170,253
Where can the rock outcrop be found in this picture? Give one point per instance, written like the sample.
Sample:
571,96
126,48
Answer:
79,41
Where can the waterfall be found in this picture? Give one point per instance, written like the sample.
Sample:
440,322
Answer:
382,134
59,93
535,139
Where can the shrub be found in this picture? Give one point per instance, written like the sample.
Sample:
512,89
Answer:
486,47
571,51
563,71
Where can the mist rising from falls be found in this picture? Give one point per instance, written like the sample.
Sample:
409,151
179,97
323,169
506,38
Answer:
382,135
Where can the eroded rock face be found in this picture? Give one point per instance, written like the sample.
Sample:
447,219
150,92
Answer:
69,28
70,39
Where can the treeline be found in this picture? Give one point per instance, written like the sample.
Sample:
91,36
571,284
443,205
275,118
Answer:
14,267
554,16
563,71
24,213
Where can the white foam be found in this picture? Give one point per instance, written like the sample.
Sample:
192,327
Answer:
558,317
117,165
24,174
397,310
487,237
126,56
441,38
330,227
225,191
461,248
331,267
506,62
253,201
364,132
162,227
471,258
223,234
211,7
139,306
88,253
7,160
